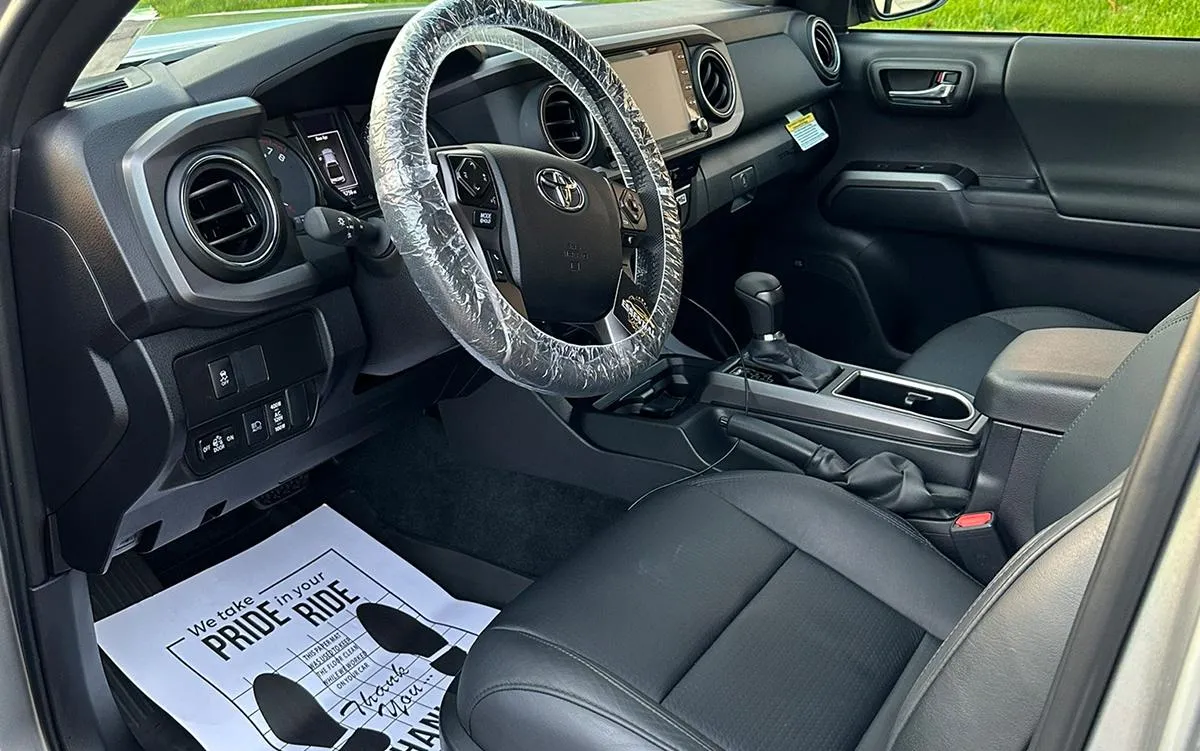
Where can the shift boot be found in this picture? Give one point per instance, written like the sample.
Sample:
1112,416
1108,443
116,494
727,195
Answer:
797,366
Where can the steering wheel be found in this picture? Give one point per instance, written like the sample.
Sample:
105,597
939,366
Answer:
498,237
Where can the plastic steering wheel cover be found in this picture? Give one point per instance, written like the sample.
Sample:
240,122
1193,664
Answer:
436,253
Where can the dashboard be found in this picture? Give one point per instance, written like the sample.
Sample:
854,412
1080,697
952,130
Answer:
209,348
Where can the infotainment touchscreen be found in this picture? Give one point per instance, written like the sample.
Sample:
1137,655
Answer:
660,81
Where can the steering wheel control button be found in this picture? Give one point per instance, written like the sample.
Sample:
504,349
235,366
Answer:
218,444
496,265
630,207
473,176
278,419
224,383
486,219
255,424
250,367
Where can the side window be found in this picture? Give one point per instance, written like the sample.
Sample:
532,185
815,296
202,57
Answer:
1160,18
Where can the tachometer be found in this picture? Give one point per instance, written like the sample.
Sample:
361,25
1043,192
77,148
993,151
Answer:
296,185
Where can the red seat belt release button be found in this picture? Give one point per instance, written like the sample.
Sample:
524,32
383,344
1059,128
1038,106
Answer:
978,544
975,520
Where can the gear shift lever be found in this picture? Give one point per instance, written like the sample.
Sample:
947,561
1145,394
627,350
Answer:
762,294
769,351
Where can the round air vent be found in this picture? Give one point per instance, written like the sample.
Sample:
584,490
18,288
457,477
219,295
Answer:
826,53
224,217
716,84
567,125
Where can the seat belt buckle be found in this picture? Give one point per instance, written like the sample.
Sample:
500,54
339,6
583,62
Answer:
978,544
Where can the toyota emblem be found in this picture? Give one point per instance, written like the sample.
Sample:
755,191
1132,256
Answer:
561,191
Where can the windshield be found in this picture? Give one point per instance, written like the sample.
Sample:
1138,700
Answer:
156,28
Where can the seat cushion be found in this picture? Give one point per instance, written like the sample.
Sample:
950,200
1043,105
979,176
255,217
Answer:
746,611
960,355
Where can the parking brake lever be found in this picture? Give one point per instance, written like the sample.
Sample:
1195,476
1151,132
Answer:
886,480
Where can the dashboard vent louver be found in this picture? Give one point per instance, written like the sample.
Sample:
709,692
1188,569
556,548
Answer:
826,53
228,215
567,125
91,89
716,85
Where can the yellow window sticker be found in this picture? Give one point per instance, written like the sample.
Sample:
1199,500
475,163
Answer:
805,129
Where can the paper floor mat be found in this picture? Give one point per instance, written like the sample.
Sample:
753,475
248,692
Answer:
320,637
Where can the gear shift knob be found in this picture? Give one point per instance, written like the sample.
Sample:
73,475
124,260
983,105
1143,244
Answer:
762,294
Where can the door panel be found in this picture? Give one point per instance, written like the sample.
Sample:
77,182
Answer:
985,137
1069,178
1112,125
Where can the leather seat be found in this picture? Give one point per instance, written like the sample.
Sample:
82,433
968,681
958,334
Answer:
771,611
960,355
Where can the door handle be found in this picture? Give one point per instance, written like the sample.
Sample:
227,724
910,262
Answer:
936,93
921,85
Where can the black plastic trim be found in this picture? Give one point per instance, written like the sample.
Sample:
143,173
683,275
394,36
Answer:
210,123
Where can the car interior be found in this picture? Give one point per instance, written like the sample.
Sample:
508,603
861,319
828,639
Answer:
776,378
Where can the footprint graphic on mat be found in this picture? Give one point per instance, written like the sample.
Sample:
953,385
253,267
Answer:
400,633
296,718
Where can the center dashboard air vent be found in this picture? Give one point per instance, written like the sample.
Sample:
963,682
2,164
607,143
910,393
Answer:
566,124
223,216
716,84
826,54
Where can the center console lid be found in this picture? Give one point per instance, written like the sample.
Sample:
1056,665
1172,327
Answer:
1046,377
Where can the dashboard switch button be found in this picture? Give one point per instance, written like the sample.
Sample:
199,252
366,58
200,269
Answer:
218,444
745,182
250,367
224,383
255,423
278,421
297,402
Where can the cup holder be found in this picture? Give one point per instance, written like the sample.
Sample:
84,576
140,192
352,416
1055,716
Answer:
907,396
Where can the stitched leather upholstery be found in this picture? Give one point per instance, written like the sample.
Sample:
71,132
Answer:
960,355
711,604
767,611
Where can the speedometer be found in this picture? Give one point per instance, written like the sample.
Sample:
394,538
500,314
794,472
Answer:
296,185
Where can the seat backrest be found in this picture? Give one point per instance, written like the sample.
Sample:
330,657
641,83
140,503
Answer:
986,685
1102,441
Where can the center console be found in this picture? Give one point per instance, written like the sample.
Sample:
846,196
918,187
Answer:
961,470
864,412
1034,391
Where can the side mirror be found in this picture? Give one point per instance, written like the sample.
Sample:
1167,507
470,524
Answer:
890,10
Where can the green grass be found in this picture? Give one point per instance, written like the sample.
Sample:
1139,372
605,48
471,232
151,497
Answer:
1169,18
177,8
